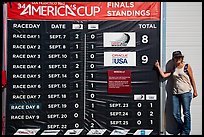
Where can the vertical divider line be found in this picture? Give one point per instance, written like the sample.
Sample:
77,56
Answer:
84,75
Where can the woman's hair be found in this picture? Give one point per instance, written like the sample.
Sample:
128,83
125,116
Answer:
182,59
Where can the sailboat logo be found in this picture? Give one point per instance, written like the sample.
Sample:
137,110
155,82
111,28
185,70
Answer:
119,39
122,41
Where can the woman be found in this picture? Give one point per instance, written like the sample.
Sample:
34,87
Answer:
182,87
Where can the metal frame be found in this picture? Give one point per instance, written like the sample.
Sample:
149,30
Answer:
162,62
4,65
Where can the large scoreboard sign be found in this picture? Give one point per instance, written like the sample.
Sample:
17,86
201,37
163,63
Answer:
83,68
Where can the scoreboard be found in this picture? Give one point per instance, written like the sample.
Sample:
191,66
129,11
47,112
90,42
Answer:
83,68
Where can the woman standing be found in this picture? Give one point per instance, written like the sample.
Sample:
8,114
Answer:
182,87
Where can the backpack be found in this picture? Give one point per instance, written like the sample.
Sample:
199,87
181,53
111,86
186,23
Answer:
186,69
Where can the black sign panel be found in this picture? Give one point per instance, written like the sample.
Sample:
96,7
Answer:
46,75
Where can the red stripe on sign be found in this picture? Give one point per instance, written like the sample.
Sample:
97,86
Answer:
84,10
4,79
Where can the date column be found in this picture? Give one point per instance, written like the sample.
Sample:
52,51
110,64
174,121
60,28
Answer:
56,75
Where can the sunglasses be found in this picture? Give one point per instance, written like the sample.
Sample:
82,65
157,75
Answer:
177,58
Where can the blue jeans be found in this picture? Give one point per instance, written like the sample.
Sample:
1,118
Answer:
183,100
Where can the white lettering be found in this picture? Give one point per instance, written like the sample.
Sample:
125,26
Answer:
17,117
26,26
63,10
58,26
147,26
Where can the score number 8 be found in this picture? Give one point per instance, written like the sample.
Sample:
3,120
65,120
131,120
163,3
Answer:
145,39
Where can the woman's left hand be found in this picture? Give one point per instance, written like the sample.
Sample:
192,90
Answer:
195,94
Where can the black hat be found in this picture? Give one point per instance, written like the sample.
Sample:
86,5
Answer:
177,54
